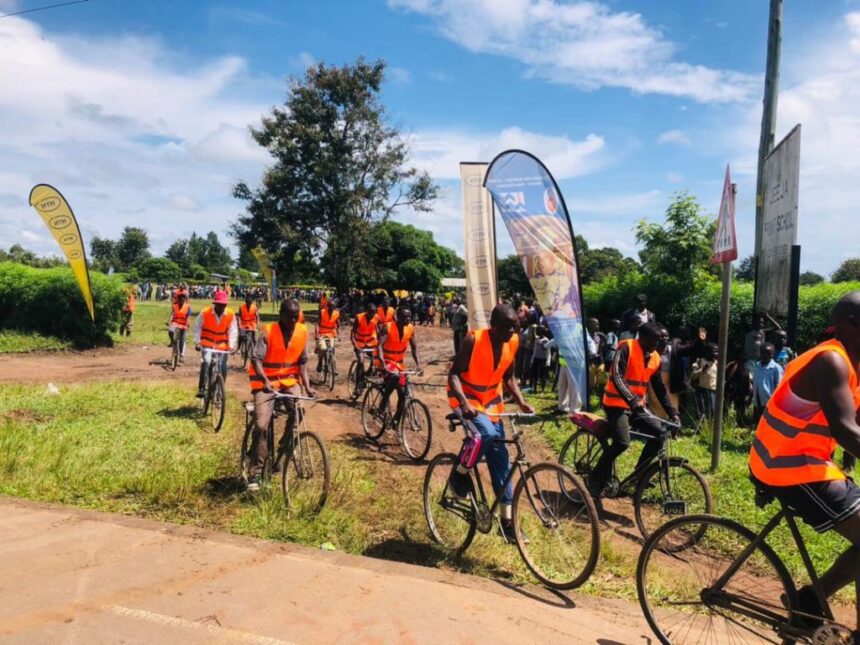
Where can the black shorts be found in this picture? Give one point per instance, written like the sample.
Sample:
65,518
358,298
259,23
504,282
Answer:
822,505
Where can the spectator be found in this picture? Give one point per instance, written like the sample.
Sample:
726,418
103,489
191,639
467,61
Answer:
739,389
767,376
631,332
704,379
539,356
754,340
783,354
639,311
665,350
459,323
596,370
611,343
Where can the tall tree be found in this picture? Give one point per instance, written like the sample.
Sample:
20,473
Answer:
132,248
848,271
103,254
809,278
512,277
178,253
745,270
338,166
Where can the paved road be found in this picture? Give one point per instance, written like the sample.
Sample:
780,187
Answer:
72,576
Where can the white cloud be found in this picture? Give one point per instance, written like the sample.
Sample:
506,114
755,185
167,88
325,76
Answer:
678,137
638,205
129,135
247,16
399,75
585,44
31,236
440,76
674,177
440,152
303,60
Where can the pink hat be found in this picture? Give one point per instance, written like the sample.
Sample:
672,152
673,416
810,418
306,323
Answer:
220,298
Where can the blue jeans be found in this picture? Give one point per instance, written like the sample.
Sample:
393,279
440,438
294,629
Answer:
496,452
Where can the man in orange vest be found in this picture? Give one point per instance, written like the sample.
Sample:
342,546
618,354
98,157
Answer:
394,338
813,410
385,312
364,334
327,330
215,328
278,364
475,387
177,325
249,319
127,318
636,364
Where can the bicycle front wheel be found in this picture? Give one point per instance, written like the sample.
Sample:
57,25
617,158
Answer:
556,526
174,358
679,589
373,418
416,430
451,519
306,474
352,380
332,372
217,402
669,489
245,353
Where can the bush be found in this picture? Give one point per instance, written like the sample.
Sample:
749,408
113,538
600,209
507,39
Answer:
159,270
49,302
609,298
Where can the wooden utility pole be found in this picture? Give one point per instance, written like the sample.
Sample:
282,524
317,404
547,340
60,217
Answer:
768,120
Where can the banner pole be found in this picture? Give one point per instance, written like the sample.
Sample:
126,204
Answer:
793,295
721,367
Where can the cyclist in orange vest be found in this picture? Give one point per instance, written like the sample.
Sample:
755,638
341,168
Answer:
480,369
215,328
385,312
394,338
278,364
327,330
364,334
249,319
177,325
813,410
636,364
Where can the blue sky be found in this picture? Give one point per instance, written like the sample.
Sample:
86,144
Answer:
138,111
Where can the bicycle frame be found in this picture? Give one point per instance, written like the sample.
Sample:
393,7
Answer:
751,609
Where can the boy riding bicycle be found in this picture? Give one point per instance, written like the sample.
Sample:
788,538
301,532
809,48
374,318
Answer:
394,338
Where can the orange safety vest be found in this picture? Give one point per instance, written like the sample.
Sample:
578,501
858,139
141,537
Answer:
248,317
216,335
483,385
281,362
385,315
365,332
394,348
788,451
328,323
180,315
637,375
130,302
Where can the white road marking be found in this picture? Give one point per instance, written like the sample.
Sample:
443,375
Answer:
215,630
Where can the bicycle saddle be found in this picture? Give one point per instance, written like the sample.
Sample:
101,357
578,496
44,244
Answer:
249,406
589,422
763,497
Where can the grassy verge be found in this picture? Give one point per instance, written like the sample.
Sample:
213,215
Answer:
13,341
140,449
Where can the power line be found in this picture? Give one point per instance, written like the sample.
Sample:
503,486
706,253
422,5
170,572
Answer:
53,6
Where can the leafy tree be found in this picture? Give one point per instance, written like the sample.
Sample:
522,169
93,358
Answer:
246,259
419,275
207,252
132,248
19,254
745,270
178,253
809,278
848,271
392,244
338,167
680,249
596,264
159,270
512,277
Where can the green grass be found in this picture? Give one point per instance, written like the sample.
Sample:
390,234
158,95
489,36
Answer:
13,341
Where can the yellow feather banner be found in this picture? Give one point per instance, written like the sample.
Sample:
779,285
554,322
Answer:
60,220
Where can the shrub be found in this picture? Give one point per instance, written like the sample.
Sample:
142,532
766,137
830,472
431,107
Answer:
49,301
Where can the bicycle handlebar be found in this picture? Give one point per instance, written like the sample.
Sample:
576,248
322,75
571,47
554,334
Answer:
214,351
295,397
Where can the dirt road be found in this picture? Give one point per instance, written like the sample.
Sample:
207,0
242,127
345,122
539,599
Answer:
76,576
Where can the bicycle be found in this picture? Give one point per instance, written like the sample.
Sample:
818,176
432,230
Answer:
301,456
328,365
411,420
176,348
214,397
358,373
665,487
546,519
245,346
732,576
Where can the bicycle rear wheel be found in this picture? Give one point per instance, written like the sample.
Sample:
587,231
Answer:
174,357
332,372
581,453
351,378
557,537
416,430
451,520
217,402
678,592
661,497
373,419
306,475
245,457
246,350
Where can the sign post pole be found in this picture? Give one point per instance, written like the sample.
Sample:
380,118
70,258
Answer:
725,250
793,294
